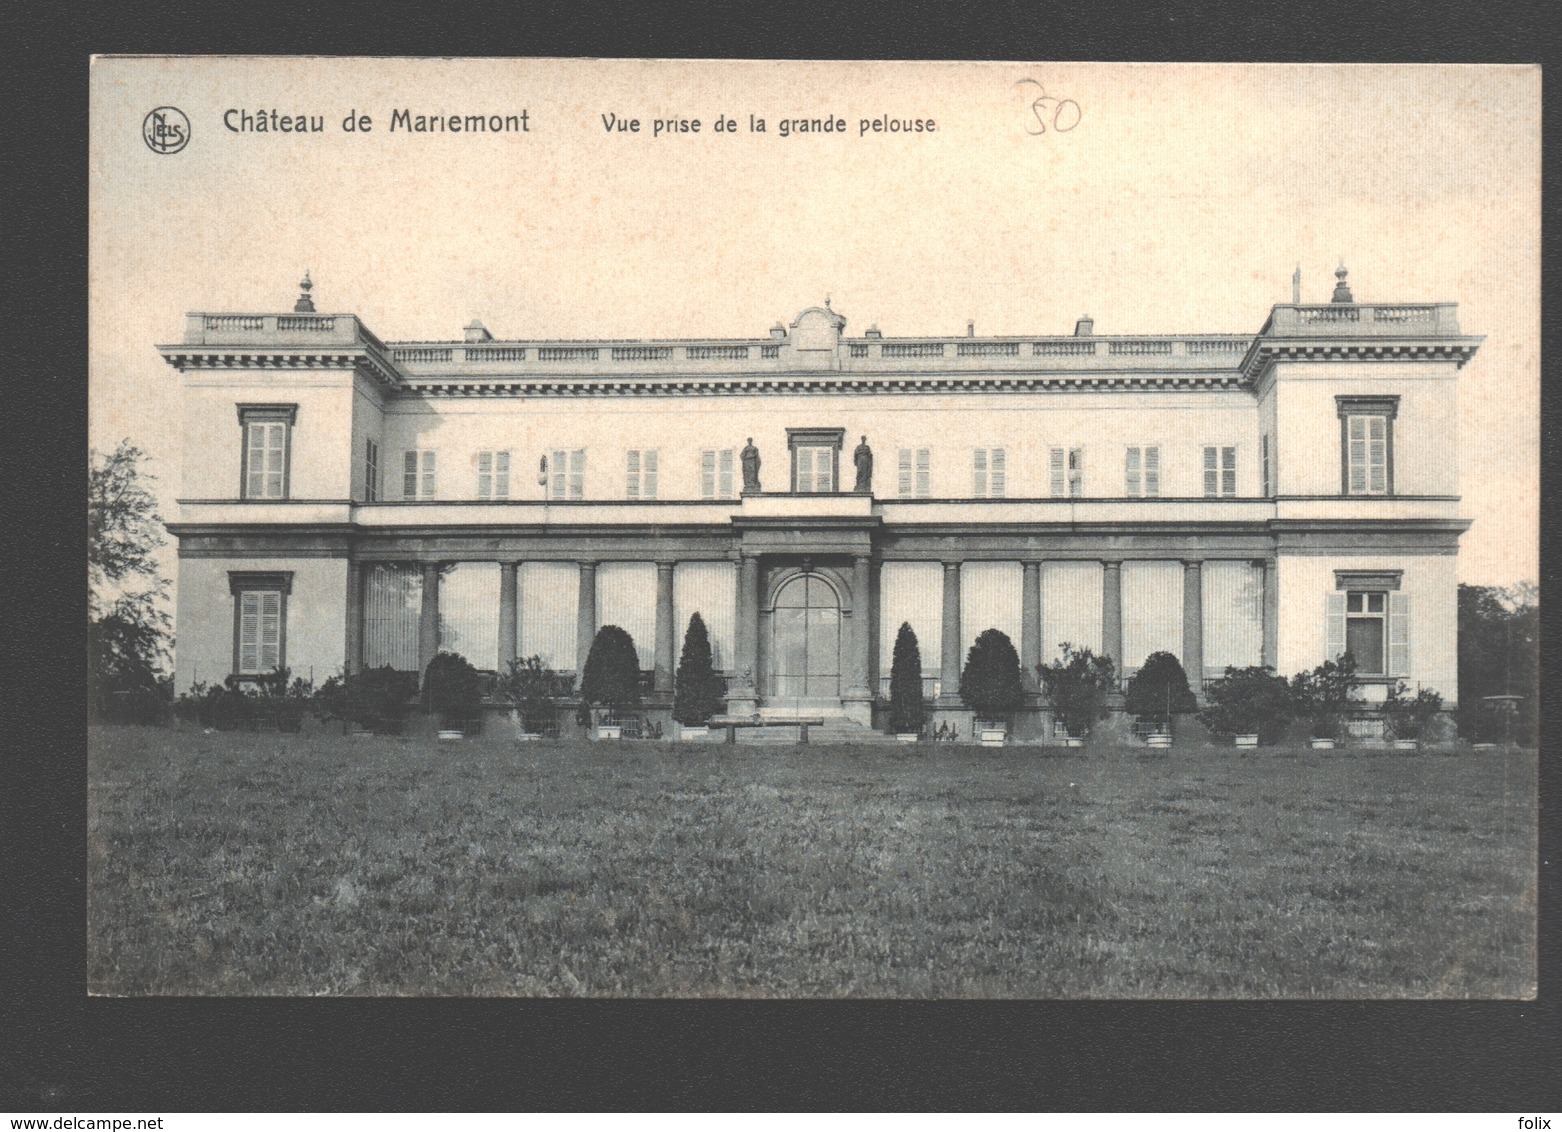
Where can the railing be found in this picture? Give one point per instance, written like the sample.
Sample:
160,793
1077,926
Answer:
1216,345
1340,313
1140,348
770,351
306,322
1405,314
859,351
987,349
496,353
1062,349
718,353
235,322
567,353
911,350
642,353
420,354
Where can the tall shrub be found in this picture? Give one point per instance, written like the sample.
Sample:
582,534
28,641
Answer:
611,676
1159,690
1408,715
453,689
907,713
534,690
698,693
1249,701
990,684
1325,695
1077,684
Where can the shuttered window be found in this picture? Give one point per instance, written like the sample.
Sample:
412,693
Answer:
265,459
1374,627
1142,472
641,468
1263,455
814,468
1220,471
371,471
990,473
567,473
259,632
493,475
1367,447
417,475
915,473
1068,472
716,473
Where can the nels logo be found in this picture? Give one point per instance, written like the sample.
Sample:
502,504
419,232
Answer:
165,130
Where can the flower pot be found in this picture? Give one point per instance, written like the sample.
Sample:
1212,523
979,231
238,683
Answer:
1323,744
1404,744
528,737
449,735
1483,746
992,737
906,737
610,731
1247,740
693,732
1074,741
1159,739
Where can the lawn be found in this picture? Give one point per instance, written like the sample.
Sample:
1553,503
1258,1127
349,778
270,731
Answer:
264,864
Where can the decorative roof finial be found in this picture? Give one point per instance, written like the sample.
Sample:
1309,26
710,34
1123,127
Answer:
827,302
305,304
1296,286
1341,289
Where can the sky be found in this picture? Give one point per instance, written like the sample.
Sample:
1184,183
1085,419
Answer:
1177,200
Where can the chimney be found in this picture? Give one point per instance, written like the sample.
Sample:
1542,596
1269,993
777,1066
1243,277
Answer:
970,329
1296,286
778,331
477,332
873,332
1085,327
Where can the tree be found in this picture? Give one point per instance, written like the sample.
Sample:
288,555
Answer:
128,630
1249,701
907,712
1325,695
453,689
698,693
1077,683
611,675
534,690
1160,690
990,684
1499,631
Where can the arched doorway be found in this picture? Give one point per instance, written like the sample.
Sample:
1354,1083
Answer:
806,643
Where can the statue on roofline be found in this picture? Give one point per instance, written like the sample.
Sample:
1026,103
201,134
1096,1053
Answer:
863,459
750,459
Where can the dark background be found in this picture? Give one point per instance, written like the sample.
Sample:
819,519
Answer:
63,1052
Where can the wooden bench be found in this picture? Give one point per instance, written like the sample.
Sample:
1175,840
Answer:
732,725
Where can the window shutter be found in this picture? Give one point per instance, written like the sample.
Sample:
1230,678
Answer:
270,631
1211,472
428,475
1152,471
409,476
649,486
1334,625
725,484
577,474
1398,634
1076,468
980,472
560,472
1131,476
633,488
1228,471
924,473
905,471
1058,486
501,475
708,474
996,463
485,474
249,631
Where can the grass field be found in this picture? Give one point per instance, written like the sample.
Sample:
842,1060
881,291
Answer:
224,864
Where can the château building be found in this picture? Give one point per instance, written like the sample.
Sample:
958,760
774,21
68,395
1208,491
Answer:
1236,499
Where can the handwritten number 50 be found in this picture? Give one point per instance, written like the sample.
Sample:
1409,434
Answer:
1061,114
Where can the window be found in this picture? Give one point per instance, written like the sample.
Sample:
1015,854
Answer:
266,435
417,475
371,471
1263,453
916,473
1367,444
1369,617
641,468
815,458
259,621
1220,471
1068,472
991,473
493,475
716,477
1142,472
567,473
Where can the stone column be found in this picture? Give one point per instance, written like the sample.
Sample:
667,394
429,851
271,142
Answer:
1112,612
859,695
666,640
1193,624
1271,655
428,623
949,674
507,603
585,618
744,696
352,659
1030,626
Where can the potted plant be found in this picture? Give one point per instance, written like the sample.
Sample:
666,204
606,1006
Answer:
1324,698
611,676
1158,692
374,701
907,711
698,693
1077,683
990,684
1252,705
453,691
1407,715
533,691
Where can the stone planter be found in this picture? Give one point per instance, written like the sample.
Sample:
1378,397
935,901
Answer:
449,734
1074,741
528,737
1246,741
992,736
1159,740
610,731
1405,744
906,737
1483,746
692,732
1323,744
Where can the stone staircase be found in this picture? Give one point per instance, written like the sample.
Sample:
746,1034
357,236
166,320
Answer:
837,728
